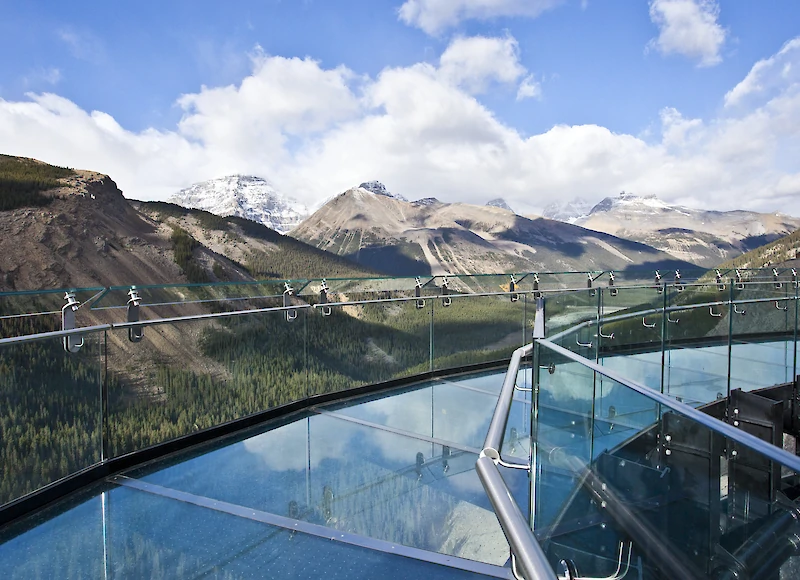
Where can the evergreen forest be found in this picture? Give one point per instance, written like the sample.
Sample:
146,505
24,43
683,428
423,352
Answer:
22,182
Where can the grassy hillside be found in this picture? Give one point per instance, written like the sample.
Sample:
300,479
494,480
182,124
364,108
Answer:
22,182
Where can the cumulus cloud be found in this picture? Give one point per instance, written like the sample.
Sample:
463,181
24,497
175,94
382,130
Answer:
689,28
435,16
474,62
768,74
315,131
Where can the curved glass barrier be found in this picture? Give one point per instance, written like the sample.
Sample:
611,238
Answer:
197,356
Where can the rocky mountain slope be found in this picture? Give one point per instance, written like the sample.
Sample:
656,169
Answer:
87,234
244,196
430,237
702,237
781,252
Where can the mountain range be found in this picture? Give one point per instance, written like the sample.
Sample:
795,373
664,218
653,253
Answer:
431,237
705,238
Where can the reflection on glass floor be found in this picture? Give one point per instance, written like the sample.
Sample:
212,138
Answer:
377,487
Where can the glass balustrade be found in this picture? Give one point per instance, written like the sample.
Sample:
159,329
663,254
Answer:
51,411
625,484
203,355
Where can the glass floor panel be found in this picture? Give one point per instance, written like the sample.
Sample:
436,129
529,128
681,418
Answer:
146,536
456,411
353,478
368,470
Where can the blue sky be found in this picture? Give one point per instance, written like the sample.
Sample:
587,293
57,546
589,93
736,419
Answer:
466,100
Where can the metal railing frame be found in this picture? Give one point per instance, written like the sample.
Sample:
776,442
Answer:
522,542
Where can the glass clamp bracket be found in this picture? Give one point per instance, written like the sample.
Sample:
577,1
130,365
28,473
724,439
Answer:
720,282
288,292
678,284
419,303
135,333
775,279
72,342
446,300
323,298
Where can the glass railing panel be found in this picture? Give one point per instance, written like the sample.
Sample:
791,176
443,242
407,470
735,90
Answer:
477,329
169,300
363,344
563,426
696,339
32,312
194,374
128,533
50,412
480,283
566,310
763,336
694,504
348,290
633,316
353,478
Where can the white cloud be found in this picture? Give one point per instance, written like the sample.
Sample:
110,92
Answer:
50,76
675,128
434,16
473,62
769,73
529,88
83,45
689,28
316,131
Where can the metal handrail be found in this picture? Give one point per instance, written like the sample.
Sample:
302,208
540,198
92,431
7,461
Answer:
524,547
768,450
140,323
526,552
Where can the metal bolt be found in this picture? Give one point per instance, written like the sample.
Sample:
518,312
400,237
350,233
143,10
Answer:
669,451
668,437
603,504
734,453
736,411
736,423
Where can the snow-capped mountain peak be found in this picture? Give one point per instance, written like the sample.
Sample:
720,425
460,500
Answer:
568,211
378,188
245,196
499,202
630,201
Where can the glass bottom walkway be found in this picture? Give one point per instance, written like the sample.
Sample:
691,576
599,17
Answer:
383,486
